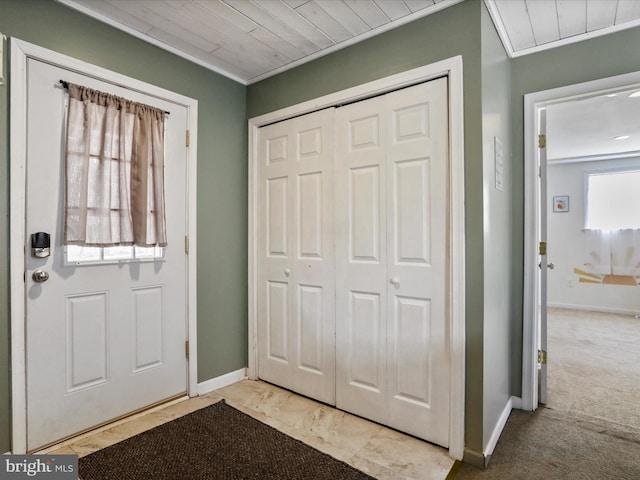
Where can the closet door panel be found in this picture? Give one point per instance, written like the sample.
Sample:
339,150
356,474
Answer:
391,252
277,322
310,227
296,346
314,262
274,254
364,214
277,217
366,338
361,300
417,263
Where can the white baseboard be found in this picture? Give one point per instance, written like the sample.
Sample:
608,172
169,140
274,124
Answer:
593,309
513,402
221,381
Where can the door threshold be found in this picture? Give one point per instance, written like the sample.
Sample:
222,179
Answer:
141,412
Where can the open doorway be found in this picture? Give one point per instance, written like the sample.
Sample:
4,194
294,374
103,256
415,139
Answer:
593,243
574,274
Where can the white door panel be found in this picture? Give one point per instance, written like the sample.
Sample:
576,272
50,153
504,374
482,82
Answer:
361,284
417,234
296,311
102,340
391,251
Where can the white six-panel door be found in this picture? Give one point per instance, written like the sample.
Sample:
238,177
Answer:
361,259
296,281
391,251
390,230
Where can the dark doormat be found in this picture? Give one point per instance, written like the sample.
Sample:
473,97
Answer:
216,442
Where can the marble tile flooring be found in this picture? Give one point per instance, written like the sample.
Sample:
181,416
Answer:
376,450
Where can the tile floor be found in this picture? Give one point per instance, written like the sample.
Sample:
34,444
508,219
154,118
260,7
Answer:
379,451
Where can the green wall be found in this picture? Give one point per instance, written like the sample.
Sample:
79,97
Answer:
448,33
502,302
222,174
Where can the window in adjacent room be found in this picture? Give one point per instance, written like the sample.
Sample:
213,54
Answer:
613,200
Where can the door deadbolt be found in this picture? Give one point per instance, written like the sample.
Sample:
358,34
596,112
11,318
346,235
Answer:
40,244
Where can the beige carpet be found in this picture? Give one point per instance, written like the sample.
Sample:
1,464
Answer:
594,365
590,428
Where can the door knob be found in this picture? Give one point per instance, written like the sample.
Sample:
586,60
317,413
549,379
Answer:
395,281
40,276
551,266
287,271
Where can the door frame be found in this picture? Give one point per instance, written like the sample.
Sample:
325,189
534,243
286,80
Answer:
452,69
21,51
533,104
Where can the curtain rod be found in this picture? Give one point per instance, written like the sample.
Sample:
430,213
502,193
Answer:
65,84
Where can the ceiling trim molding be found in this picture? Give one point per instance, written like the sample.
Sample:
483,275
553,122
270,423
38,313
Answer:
500,27
594,158
578,38
504,36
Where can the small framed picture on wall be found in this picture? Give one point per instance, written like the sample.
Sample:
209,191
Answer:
561,203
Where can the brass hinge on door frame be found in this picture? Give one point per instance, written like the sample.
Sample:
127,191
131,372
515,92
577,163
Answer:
187,137
186,244
186,349
542,141
542,248
542,357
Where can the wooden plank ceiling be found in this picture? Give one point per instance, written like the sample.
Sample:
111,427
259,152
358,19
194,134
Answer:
528,26
249,40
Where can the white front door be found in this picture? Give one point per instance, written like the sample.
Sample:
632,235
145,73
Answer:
392,177
105,339
296,281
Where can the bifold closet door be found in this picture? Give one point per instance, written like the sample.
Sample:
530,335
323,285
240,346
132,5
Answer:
391,260
296,262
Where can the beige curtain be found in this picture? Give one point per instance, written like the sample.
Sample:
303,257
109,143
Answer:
114,171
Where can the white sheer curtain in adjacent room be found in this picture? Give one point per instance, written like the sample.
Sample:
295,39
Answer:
612,222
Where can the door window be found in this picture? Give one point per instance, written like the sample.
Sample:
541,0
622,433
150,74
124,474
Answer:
78,255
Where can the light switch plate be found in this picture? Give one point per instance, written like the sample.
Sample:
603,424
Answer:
2,37
499,163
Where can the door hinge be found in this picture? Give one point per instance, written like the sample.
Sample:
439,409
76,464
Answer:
542,141
186,349
186,244
187,137
542,357
542,248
